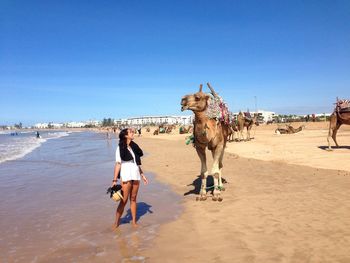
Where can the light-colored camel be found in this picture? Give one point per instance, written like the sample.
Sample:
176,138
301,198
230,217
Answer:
340,116
289,130
245,122
208,133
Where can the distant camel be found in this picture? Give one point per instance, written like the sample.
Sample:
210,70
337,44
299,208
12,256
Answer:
248,122
208,133
183,130
232,129
340,116
289,130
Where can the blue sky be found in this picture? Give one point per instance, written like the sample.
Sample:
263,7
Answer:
79,60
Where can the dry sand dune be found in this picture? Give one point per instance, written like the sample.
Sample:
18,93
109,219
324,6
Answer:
272,211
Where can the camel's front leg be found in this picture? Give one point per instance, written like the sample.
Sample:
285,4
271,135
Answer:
216,172
241,137
221,186
204,171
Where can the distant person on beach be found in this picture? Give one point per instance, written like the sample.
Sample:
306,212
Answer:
37,135
107,134
139,131
128,166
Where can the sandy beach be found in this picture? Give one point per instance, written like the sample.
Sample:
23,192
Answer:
286,200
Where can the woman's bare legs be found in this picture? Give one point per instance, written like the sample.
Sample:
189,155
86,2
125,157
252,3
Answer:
133,195
126,187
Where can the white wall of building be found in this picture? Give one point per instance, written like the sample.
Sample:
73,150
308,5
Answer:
74,124
41,125
147,120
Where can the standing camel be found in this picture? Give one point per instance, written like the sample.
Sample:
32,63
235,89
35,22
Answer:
340,116
209,133
247,122
232,129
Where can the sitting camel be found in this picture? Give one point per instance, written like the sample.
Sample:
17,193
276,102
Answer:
208,133
289,129
248,122
183,130
340,116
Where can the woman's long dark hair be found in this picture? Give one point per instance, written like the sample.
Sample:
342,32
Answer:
122,139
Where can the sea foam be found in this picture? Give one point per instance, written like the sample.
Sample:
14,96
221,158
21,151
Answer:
14,147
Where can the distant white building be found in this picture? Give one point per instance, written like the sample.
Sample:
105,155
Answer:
93,123
56,125
167,119
74,124
41,125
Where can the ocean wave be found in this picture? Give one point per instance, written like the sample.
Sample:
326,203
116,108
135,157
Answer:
16,147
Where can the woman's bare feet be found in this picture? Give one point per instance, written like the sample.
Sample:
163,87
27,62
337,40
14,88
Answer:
116,224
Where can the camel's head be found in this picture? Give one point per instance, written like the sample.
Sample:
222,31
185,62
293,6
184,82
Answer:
195,102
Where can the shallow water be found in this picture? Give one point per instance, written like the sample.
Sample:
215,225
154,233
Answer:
54,207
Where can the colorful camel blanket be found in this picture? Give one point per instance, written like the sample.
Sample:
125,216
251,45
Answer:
342,105
218,109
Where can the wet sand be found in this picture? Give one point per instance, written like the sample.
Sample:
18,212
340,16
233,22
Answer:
272,211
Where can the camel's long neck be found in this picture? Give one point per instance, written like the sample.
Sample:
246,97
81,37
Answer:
299,129
200,117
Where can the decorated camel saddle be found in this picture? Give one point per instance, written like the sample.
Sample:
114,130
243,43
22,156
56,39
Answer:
342,106
218,110
248,116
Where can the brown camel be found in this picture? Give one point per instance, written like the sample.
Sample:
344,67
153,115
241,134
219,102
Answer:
289,129
246,122
232,129
340,116
170,128
209,133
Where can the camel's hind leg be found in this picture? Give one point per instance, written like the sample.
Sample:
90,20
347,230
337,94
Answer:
333,129
248,132
221,186
334,135
204,172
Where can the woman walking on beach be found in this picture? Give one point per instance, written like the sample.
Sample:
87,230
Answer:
128,166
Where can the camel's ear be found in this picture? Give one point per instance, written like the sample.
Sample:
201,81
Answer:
200,87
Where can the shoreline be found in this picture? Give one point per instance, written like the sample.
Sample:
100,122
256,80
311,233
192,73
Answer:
72,221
